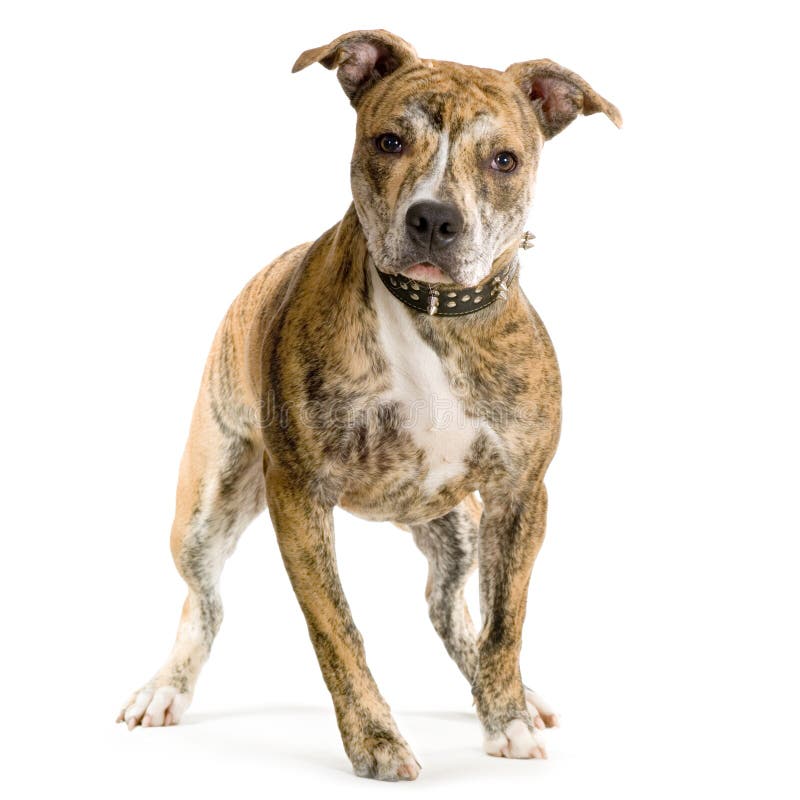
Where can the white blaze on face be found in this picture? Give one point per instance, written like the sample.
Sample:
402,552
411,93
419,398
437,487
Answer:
427,188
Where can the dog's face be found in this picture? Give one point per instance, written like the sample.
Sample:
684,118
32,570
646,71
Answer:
445,154
442,170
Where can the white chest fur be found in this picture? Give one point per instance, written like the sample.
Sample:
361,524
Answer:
430,411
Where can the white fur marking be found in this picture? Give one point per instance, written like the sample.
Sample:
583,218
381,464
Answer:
427,188
153,708
516,741
432,414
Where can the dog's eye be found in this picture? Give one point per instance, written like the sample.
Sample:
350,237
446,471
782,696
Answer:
504,162
389,143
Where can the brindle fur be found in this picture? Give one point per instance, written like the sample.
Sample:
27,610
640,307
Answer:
295,409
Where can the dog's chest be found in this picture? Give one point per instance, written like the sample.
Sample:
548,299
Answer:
428,410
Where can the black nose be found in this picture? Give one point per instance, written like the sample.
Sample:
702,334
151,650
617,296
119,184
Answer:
432,224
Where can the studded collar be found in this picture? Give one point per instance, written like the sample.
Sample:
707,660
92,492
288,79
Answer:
449,301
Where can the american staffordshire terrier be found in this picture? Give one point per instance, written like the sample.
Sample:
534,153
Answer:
392,367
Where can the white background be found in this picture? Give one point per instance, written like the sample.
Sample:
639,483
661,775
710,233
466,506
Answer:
155,155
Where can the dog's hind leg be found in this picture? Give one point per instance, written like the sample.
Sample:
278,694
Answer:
450,543
220,490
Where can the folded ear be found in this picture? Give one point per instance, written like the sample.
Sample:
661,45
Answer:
558,95
361,59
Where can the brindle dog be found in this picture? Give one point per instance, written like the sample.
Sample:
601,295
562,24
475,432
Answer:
392,367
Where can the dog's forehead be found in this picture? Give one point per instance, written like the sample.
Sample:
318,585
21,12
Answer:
446,96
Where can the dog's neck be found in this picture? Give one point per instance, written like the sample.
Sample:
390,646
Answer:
450,300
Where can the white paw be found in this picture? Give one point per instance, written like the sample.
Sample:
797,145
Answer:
153,707
516,741
542,715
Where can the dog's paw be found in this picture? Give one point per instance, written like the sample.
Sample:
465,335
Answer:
516,740
155,706
384,758
542,715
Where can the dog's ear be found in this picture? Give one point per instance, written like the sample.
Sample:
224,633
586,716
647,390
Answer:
361,59
558,95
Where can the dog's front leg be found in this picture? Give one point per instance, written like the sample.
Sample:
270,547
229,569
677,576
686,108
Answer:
304,528
510,535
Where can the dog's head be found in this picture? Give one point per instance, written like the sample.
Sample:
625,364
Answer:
446,154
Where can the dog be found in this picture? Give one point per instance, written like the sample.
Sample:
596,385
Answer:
392,367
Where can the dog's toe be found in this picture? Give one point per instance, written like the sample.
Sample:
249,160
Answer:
542,715
386,760
516,740
154,707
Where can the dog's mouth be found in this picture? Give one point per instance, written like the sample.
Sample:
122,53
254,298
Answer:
426,272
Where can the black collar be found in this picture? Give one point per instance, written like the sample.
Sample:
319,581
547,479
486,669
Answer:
449,301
